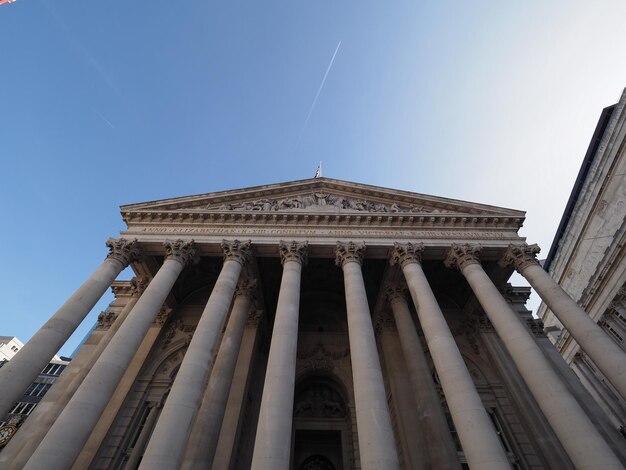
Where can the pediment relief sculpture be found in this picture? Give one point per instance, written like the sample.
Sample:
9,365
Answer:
318,201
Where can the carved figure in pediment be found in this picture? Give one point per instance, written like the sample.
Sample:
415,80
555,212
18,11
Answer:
319,199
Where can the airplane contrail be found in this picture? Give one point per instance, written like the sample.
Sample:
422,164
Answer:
319,90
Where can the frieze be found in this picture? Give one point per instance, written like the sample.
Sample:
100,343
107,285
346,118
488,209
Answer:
336,233
317,200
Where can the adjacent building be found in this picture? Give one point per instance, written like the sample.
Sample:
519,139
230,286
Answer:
24,405
588,257
316,324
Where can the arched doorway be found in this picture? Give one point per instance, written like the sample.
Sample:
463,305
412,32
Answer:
320,425
317,462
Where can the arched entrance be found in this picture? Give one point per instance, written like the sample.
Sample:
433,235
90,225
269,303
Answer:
320,425
317,462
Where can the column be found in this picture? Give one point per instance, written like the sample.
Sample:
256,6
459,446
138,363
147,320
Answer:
169,439
607,355
476,432
206,428
23,444
377,447
580,438
272,445
234,418
441,448
23,369
71,430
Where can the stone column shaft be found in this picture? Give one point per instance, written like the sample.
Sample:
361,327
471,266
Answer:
33,430
476,432
66,437
602,350
25,366
241,383
272,446
377,447
206,428
439,442
577,434
169,439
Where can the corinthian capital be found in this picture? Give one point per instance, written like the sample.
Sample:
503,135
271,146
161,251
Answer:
293,251
520,256
461,256
405,253
123,250
349,252
181,251
236,250
246,287
394,293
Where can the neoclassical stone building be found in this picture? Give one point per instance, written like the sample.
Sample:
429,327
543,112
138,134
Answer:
315,324
588,257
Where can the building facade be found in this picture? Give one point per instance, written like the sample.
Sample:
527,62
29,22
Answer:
26,403
588,257
317,324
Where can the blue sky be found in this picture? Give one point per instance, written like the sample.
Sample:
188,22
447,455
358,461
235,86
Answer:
109,103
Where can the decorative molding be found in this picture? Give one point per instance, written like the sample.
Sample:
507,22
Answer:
182,251
138,286
405,253
173,328
347,252
236,250
293,251
521,256
105,320
395,292
461,256
317,200
320,350
123,250
254,318
384,322
162,317
246,287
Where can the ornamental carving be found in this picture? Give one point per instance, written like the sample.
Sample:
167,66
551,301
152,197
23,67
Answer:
162,317
319,401
236,250
246,287
349,252
105,320
123,250
384,322
254,318
320,350
461,256
394,292
137,286
182,251
404,253
318,200
520,256
293,251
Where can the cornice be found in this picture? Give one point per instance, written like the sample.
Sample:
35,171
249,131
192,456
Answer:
201,217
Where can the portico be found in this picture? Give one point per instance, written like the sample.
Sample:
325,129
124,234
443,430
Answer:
277,349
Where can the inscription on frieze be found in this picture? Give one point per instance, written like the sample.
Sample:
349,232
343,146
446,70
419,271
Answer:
321,231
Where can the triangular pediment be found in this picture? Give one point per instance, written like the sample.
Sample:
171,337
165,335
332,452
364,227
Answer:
320,196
